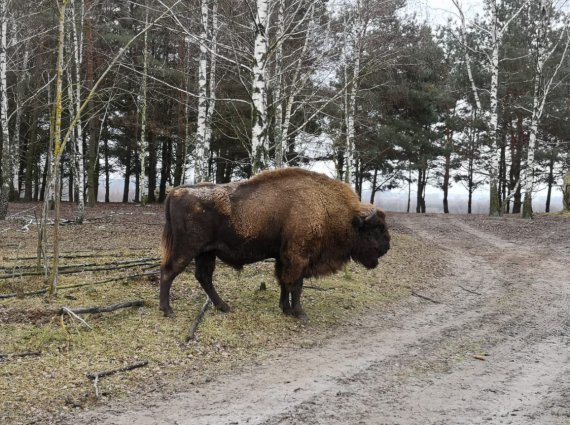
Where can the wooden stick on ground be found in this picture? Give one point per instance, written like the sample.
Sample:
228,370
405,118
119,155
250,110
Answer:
98,375
105,309
415,294
197,320
6,356
78,285
75,316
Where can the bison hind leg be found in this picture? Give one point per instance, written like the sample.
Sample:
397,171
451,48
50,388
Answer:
168,273
205,265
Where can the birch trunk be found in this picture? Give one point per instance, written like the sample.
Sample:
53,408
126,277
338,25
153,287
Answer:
58,147
143,142
494,202
78,60
201,151
6,169
20,86
357,36
259,90
212,79
279,128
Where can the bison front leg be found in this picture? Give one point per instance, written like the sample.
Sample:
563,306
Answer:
296,309
205,265
285,301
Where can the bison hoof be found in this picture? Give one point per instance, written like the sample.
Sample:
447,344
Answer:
301,315
223,307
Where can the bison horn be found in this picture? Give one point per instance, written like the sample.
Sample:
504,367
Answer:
371,219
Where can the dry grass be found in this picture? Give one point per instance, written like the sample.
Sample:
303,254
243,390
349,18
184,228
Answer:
50,385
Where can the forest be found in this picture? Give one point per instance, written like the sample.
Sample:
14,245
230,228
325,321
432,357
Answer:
167,92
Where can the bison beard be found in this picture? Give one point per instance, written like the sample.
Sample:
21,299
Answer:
309,223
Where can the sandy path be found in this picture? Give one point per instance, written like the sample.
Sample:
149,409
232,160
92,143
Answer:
414,364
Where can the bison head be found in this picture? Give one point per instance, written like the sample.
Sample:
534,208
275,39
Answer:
373,239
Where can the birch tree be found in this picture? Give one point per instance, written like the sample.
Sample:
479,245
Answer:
143,109
6,160
75,110
352,55
543,49
58,146
202,148
259,131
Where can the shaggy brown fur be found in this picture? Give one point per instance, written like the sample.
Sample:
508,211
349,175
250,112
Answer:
310,223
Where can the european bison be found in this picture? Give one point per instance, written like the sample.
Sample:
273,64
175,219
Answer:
310,223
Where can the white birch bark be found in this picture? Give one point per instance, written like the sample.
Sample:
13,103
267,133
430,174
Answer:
15,155
279,127
201,152
143,142
78,60
352,92
212,80
259,89
494,206
6,163
58,146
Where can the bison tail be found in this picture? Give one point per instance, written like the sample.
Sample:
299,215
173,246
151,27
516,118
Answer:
166,240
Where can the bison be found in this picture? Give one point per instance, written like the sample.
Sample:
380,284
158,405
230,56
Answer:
309,223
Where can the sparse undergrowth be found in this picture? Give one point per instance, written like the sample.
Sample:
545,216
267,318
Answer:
55,382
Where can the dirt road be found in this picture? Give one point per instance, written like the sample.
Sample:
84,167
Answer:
490,345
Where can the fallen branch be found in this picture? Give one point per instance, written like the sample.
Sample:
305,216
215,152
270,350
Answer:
470,290
317,288
415,294
85,266
197,320
78,285
71,256
75,316
73,269
7,356
105,309
98,375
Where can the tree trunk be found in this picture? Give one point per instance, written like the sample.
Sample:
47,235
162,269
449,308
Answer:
566,192
202,148
92,177
550,183
31,160
165,168
143,143
259,132
107,171
126,185
420,192
374,182
79,159
152,161
6,163
179,167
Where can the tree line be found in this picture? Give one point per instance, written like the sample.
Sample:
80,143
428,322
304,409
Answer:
166,92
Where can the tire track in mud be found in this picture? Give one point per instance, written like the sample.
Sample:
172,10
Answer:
414,364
